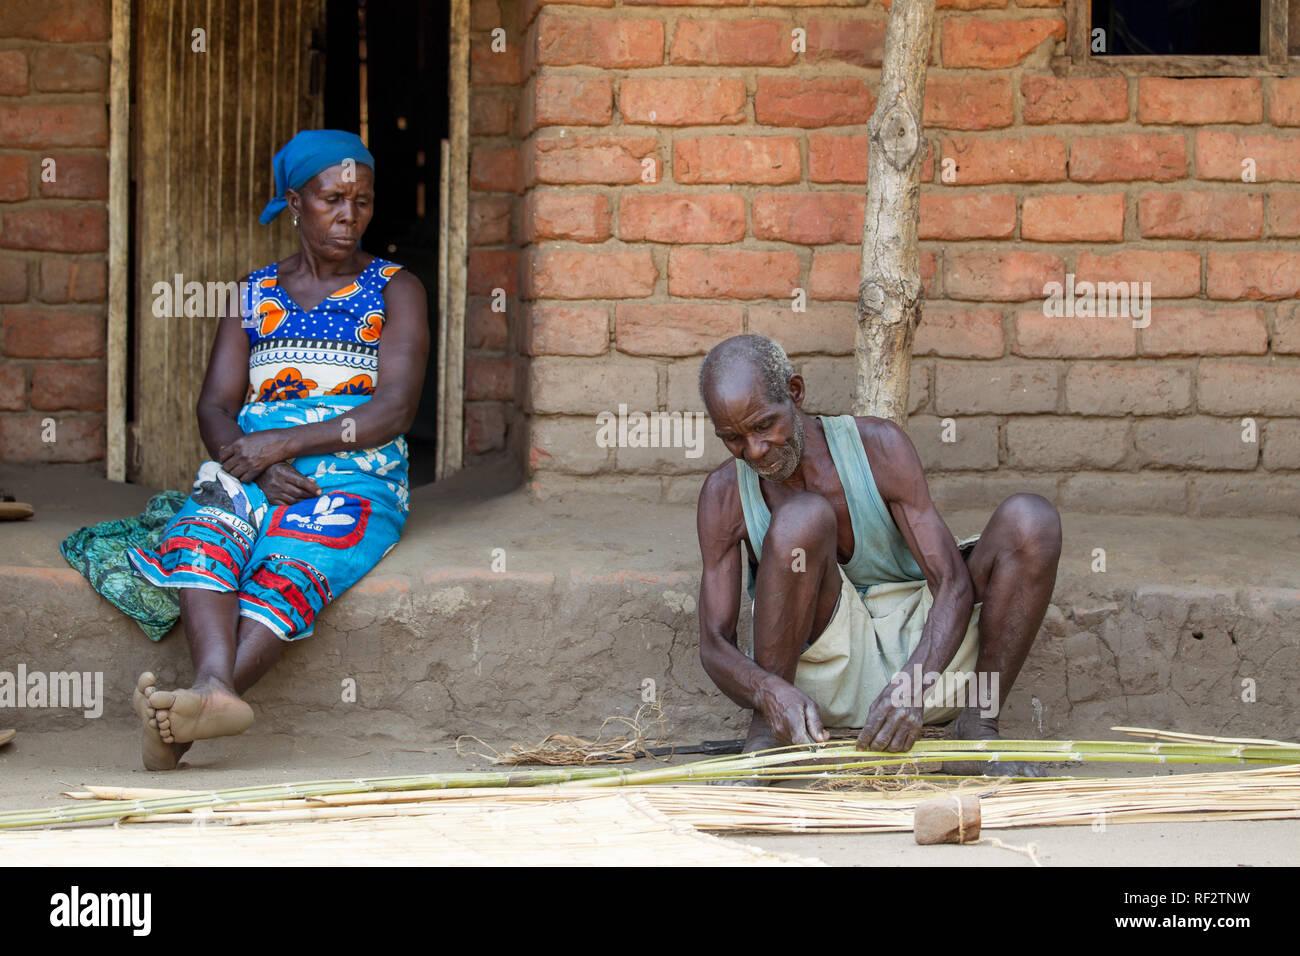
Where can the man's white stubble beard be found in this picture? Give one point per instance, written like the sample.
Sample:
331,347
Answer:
791,454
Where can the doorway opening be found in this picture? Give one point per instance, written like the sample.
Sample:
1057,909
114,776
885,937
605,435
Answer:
386,79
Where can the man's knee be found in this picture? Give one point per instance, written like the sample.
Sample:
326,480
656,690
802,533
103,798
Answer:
804,520
1034,525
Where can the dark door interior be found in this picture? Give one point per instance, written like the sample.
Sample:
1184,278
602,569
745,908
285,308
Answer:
386,78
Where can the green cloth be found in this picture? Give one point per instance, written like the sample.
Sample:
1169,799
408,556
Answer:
99,553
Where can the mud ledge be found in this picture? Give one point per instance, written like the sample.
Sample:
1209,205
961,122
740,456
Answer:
598,596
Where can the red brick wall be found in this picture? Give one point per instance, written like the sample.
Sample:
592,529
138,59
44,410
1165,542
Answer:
615,286
759,165
54,59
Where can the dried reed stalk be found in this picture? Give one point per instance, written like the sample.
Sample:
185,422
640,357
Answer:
1175,737
566,750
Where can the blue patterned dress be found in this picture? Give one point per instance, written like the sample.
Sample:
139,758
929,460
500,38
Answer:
288,561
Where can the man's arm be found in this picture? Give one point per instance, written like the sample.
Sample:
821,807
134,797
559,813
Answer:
901,483
787,714
719,523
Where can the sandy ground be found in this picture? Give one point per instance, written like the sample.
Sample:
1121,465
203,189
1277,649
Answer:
36,766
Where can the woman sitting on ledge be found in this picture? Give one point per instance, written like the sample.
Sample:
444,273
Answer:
306,490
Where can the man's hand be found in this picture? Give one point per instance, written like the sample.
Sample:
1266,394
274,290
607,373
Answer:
890,727
285,485
249,455
790,713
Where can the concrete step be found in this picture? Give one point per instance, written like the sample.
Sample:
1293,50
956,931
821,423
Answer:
1193,625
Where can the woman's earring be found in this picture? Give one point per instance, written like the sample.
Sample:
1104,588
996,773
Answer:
295,222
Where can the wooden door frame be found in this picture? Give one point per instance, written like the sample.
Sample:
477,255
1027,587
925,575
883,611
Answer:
450,451
119,225
450,332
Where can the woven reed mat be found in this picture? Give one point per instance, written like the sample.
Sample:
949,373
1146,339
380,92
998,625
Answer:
617,828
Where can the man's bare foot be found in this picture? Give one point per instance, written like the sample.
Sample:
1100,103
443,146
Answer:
208,709
760,737
157,753
969,725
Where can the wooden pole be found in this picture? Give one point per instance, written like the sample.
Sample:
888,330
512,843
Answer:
889,290
119,173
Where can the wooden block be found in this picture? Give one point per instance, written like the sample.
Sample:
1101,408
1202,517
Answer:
954,819
15,510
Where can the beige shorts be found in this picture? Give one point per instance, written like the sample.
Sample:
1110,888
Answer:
867,641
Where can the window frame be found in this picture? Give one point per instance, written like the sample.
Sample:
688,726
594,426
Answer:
1079,61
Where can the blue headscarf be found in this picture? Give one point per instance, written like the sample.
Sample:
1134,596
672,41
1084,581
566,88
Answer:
309,152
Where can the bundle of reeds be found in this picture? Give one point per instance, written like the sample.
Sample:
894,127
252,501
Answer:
1265,793
816,762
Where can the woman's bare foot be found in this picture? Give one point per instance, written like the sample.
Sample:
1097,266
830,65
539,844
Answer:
157,753
969,725
208,709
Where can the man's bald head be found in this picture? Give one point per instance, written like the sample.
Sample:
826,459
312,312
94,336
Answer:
749,355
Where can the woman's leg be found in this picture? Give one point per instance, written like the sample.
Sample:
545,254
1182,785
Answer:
203,553
257,648
210,619
211,649
210,707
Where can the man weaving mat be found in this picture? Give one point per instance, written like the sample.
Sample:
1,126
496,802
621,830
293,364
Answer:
857,583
